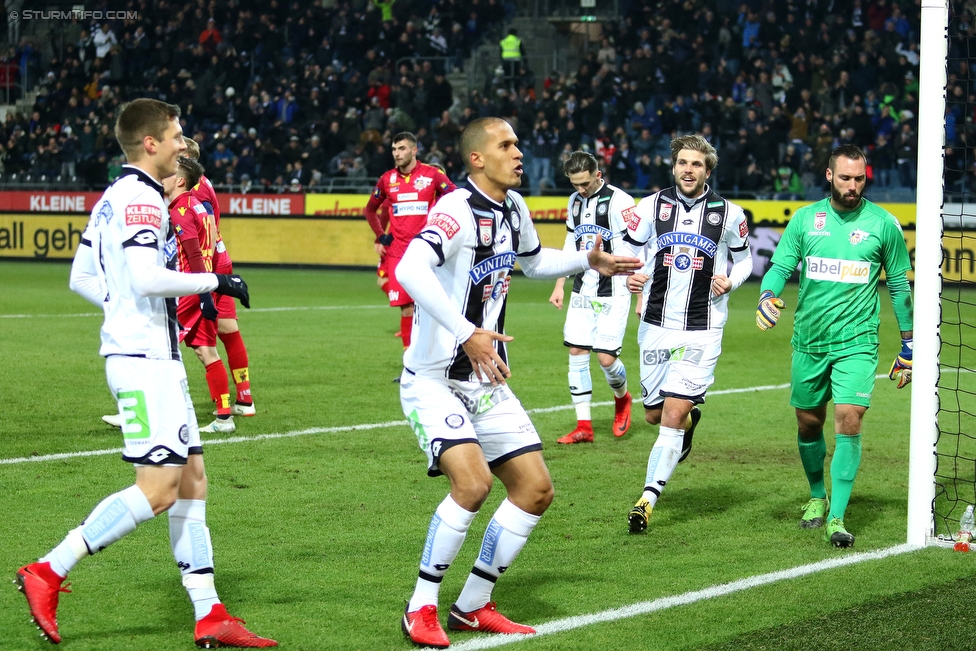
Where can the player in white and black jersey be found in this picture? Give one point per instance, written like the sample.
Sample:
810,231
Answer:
125,265
453,390
692,232
599,306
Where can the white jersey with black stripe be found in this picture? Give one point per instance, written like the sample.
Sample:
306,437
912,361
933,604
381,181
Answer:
692,243
477,241
132,212
605,213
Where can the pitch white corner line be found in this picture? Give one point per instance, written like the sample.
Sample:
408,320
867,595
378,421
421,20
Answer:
664,603
334,430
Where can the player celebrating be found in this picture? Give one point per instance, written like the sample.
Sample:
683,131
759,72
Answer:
844,242
453,390
411,188
196,236
227,327
596,318
125,266
692,231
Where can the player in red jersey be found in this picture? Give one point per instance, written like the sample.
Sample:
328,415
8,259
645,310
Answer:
411,188
196,238
227,327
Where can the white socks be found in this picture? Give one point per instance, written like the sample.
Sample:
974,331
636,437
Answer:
616,377
114,517
189,537
662,461
445,535
580,385
507,533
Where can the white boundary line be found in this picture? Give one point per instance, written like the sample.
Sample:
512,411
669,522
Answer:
333,430
256,309
664,603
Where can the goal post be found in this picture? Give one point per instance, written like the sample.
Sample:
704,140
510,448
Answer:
933,48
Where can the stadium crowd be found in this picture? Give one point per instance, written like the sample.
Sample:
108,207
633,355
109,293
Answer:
284,96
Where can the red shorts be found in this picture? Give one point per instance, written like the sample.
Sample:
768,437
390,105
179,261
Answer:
226,306
381,267
194,329
398,295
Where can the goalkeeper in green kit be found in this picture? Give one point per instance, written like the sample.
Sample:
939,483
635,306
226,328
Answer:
844,243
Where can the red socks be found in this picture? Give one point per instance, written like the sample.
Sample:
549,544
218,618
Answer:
406,325
237,360
217,383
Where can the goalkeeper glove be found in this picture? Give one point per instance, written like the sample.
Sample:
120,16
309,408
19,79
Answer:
768,312
207,307
233,285
901,368
386,239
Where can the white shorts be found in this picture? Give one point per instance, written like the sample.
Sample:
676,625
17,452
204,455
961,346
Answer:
597,323
676,363
444,413
159,425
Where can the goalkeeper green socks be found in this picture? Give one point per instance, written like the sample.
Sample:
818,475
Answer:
812,455
843,470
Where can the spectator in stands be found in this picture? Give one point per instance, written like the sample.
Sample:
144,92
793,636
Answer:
104,40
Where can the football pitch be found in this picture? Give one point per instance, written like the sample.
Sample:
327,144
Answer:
319,505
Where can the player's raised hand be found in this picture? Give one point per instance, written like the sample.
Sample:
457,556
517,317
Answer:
480,348
901,368
768,312
611,265
233,285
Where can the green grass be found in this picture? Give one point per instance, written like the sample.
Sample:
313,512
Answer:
318,537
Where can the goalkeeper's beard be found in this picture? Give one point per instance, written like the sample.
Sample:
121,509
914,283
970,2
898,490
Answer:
846,200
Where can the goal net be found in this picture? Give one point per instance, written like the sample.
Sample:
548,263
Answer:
943,427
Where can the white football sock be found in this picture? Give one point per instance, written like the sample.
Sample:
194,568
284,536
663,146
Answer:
507,533
445,535
616,376
114,517
580,384
189,537
662,461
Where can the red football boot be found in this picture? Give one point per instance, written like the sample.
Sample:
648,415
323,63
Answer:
423,628
42,587
582,434
220,629
486,619
621,416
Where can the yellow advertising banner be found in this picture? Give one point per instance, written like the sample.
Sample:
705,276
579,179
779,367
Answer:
348,241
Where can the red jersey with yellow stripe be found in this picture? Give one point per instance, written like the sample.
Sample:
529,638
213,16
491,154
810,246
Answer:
411,196
192,221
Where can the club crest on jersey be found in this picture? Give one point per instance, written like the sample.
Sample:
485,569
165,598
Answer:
858,236
713,218
820,220
422,182
683,260
665,212
497,288
484,231
576,208
602,208
516,222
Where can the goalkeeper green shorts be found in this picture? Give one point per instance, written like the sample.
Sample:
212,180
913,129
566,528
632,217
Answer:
845,376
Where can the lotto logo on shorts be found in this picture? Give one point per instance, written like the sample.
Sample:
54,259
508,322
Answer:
143,215
857,272
444,222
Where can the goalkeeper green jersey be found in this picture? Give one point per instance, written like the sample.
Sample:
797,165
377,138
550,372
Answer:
843,255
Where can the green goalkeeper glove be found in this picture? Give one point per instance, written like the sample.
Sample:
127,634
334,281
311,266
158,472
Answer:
768,312
901,368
